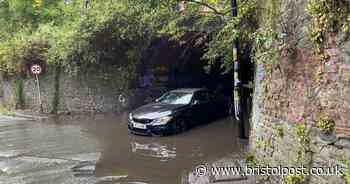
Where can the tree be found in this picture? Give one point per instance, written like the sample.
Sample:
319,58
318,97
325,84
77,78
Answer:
73,32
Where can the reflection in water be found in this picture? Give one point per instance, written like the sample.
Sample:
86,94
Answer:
154,150
158,160
101,146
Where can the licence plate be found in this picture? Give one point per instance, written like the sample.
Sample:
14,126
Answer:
139,125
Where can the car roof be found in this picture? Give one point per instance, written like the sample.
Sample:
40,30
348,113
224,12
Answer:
188,90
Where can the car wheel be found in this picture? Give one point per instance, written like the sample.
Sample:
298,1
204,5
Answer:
180,126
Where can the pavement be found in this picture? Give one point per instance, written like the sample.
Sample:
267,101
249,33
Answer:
31,154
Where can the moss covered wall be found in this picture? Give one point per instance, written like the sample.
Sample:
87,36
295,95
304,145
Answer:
96,88
302,83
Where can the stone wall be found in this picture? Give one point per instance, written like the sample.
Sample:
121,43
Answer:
96,88
289,97
279,144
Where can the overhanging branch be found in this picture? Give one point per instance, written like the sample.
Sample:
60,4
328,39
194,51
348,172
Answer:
205,5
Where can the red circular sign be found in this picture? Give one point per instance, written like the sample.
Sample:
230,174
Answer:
36,69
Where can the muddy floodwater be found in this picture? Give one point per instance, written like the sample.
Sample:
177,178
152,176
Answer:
99,149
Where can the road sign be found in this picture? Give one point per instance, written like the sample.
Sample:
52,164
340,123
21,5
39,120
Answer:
36,69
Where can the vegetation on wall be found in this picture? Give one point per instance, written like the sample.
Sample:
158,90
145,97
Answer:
328,16
347,173
268,46
267,36
279,131
325,124
250,160
74,35
304,143
294,179
56,94
6,112
19,96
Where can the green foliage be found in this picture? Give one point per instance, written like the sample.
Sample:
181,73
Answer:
327,16
304,143
215,27
280,132
117,32
266,49
242,28
19,96
56,95
302,134
251,160
347,173
71,35
325,124
22,49
294,179
263,144
6,112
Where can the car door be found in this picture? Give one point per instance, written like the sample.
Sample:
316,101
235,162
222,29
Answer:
201,106
211,106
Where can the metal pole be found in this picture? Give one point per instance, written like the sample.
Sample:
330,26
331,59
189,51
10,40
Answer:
39,94
237,77
234,8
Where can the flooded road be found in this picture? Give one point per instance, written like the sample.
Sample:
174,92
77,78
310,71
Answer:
99,149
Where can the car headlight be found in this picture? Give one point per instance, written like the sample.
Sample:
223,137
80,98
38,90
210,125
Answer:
130,116
161,121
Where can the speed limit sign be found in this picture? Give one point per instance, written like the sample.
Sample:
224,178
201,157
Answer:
36,69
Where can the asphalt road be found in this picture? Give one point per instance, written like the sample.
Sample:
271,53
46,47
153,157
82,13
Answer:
99,150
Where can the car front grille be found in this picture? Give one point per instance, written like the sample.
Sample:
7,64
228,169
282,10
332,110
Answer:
143,121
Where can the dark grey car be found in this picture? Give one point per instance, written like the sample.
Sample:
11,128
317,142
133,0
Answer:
177,111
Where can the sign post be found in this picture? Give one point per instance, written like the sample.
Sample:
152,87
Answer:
36,70
237,77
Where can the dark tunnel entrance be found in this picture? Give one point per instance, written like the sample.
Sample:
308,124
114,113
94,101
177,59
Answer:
169,65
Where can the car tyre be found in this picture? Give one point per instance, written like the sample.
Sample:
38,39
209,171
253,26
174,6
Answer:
180,126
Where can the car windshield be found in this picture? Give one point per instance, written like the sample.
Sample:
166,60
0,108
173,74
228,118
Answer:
176,98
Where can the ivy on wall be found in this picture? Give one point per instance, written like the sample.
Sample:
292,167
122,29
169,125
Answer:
347,173
265,49
56,87
328,16
19,96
